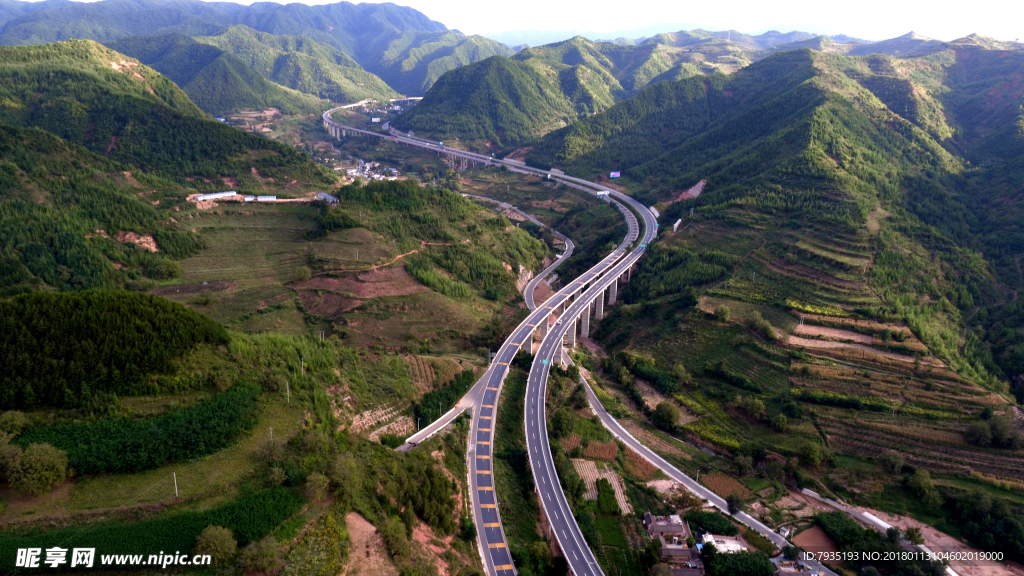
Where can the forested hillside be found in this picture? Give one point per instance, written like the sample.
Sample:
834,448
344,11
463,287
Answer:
61,349
217,81
92,96
400,45
67,218
836,138
301,64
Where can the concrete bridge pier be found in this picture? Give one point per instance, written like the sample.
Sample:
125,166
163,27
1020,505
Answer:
599,313
613,291
571,335
585,325
544,327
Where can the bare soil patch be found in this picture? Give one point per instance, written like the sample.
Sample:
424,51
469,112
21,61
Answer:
814,539
327,304
832,333
146,241
367,555
940,541
375,284
542,291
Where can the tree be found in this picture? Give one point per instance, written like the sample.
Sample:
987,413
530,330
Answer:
920,482
347,476
979,434
914,535
561,422
9,454
722,313
316,486
277,476
666,415
303,273
780,423
744,464
38,469
660,570
271,451
810,454
680,373
891,461
13,422
218,543
262,556
735,503
393,533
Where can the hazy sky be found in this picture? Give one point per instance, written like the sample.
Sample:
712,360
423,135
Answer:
869,19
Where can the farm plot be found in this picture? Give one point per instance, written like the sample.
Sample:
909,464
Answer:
370,419
590,472
652,441
638,467
724,485
601,451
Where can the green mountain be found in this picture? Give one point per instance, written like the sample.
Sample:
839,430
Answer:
498,100
412,61
100,99
931,143
401,45
217,81
549,86
302,64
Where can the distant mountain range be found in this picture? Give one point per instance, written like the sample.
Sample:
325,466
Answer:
401,46
495,102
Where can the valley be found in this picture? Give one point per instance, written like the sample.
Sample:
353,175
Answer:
761,287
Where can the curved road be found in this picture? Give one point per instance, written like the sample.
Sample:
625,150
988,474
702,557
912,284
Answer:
483,397
564,527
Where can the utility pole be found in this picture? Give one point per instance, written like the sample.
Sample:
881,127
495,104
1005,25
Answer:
302,364
175,485
288,390
418,423
271,433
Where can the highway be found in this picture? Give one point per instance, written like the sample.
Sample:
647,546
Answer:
484,395
556,508
482,399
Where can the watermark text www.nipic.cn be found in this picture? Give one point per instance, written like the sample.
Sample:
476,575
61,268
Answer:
86,558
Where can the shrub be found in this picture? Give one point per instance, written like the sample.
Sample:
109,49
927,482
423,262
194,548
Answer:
262,556
763,326
891,461
979,434
123,445
722,313
38,469
321,551
218,543
666,416
9,454
316,486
